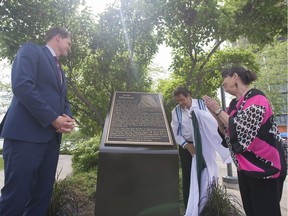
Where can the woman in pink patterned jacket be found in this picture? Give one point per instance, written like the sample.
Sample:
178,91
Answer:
250,132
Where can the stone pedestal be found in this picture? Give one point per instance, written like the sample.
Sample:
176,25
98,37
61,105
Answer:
137,182
138,171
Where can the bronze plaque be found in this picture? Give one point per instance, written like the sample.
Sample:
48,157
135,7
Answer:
138,118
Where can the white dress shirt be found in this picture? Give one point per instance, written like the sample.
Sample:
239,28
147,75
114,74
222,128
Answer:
186,124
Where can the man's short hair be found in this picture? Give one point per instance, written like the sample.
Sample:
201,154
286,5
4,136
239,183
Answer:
182,90
56,30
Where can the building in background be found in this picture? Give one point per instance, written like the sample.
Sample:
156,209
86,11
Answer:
282,119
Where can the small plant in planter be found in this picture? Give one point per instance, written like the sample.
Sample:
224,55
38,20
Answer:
221,203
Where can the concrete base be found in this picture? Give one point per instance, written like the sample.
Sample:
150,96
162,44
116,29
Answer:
137,181
230,182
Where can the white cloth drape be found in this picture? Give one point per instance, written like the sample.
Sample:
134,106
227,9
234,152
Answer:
211,143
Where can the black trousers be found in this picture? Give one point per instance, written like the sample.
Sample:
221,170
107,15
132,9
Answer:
186,161
261,197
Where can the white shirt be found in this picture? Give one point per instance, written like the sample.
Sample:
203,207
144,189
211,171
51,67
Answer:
187,132
51,50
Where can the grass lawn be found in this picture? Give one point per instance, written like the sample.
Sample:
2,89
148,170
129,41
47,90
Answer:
1,163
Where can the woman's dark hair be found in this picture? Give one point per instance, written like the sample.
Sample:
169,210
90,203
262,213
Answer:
56,30
246,76
181,90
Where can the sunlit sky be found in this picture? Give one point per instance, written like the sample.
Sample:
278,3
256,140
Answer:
162,58
99,5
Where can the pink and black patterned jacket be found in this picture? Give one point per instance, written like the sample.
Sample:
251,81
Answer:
253,137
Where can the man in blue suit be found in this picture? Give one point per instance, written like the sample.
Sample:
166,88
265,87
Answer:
39,113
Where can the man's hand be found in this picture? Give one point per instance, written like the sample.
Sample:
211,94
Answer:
191,148
64,124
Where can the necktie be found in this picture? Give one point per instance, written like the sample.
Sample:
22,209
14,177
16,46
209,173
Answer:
59,69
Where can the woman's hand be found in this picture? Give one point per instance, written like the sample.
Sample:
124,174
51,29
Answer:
211,104
216,110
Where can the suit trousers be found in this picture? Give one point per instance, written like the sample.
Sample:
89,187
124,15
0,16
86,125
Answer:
186,161
29,170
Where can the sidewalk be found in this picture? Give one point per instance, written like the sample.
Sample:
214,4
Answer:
64,168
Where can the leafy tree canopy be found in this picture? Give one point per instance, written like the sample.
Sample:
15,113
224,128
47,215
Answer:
110,54
259,21
197,29
114,51
272,78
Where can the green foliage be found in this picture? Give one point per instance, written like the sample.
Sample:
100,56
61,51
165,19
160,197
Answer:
270,64
121,50
156,72
113,51
227,58
71,197
127,43
181,201
23,21
69,142
272,79
110,55
259,21
196,29
1,162
85,156
167,87
232,57
75,195
193,30
17,28
219,61
87,181
221,203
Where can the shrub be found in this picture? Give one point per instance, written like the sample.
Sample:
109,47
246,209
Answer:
69,199
69,142
221,203
85,156
88,181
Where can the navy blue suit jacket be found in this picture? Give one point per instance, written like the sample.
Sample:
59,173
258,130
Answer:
38,96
